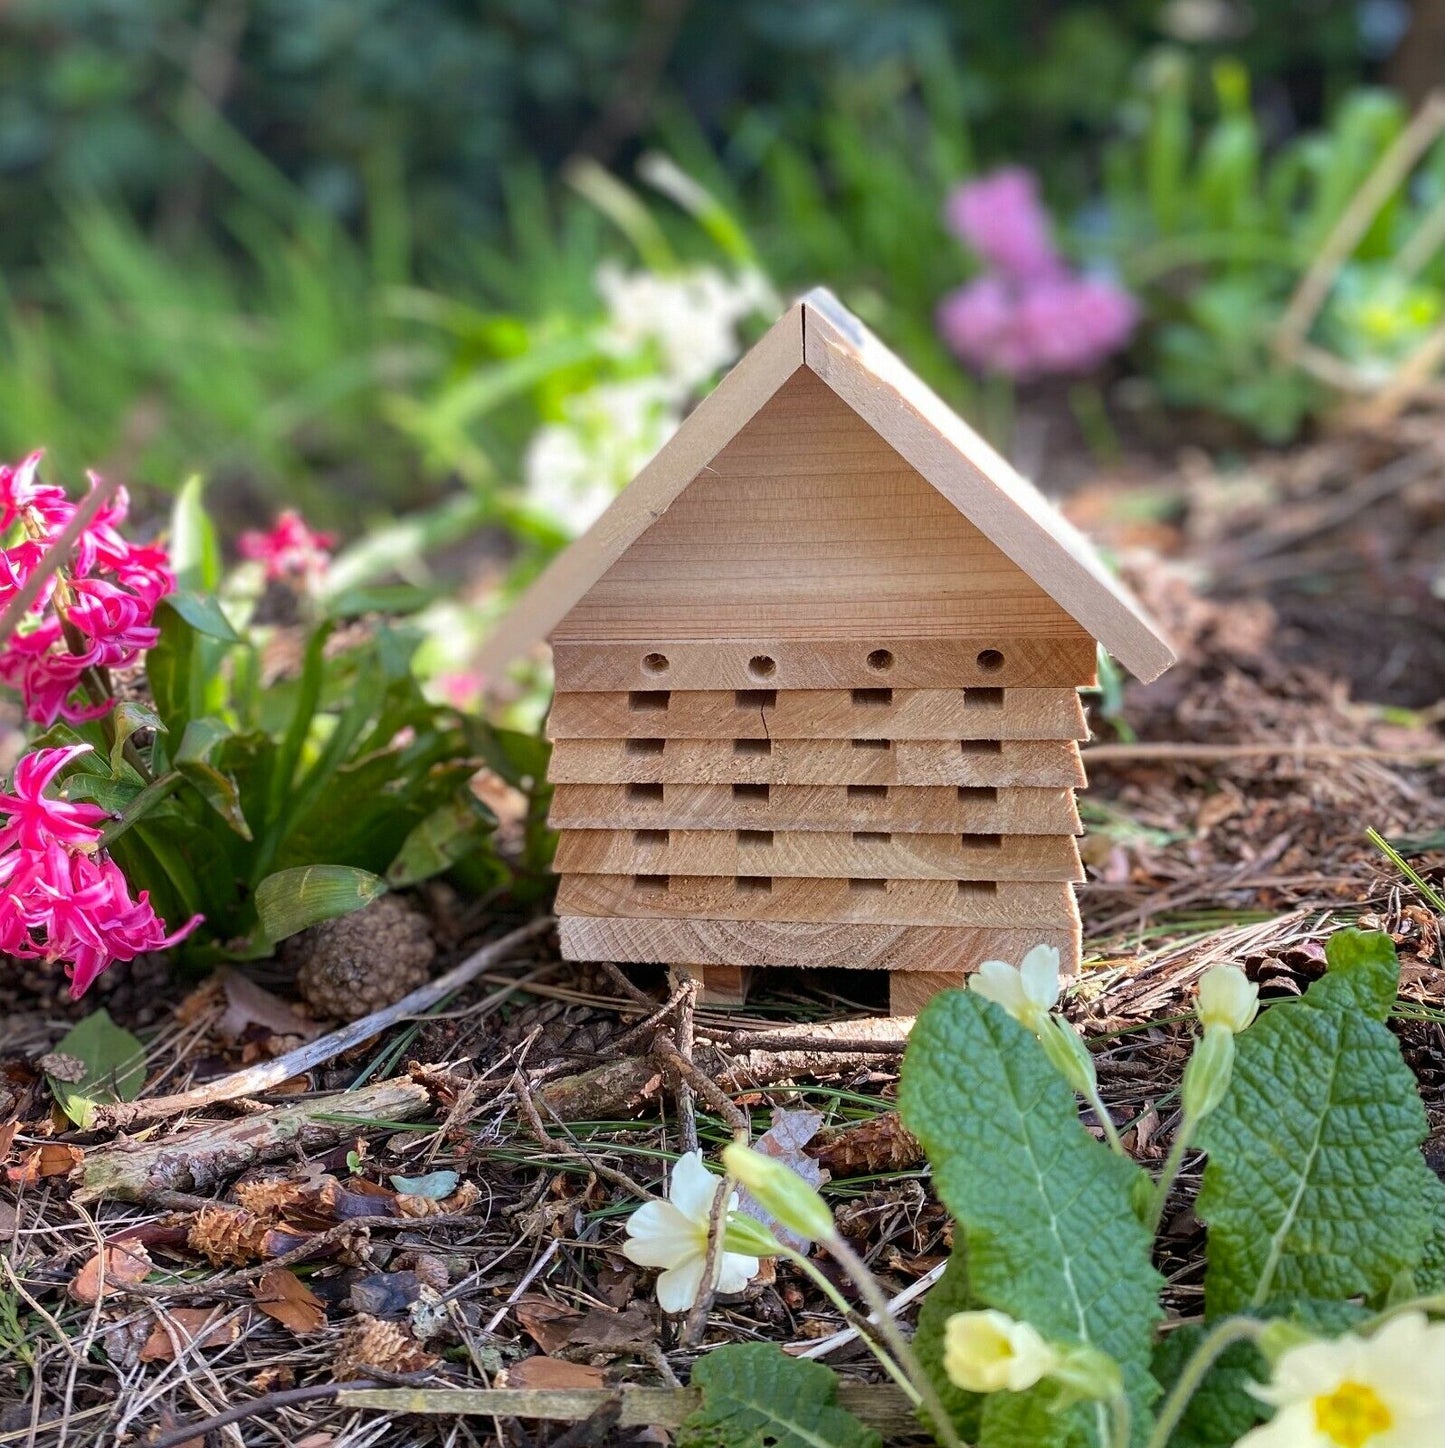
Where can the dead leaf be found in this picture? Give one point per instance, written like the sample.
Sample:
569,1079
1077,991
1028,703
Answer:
549,1372
120,1264
248,1004
615,1332
283,1296
7,1137
188,1327
53,1159
784,1141
549,1324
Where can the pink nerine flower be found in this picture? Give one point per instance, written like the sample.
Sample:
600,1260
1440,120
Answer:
61,896
290,550
93,613
1001,218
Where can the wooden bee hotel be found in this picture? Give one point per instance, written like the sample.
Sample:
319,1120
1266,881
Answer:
817,677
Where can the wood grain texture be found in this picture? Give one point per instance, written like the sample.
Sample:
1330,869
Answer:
937,809
814,761
871,713
1004,506
1011,904
986,660
819,855
808,525
910,990
722,985
713,943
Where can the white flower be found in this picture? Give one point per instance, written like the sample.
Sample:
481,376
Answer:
989,1352
673,1235
1226,998
1027,992
1385,1391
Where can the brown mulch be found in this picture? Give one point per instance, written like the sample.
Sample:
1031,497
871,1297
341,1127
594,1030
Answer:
1303,591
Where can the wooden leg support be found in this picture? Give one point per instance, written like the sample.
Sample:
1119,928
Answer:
910,990
722,985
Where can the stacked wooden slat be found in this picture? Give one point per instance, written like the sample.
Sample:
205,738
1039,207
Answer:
920,830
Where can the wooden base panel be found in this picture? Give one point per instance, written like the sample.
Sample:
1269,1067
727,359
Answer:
819,855
722,985
910,990
871,713
1008,904
816,761
994,660
751,944
929,809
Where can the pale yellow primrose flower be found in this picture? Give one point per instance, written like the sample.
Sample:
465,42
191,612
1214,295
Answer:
1226,998
780,1191
1028,992
1385,1391
989,1352
673,1235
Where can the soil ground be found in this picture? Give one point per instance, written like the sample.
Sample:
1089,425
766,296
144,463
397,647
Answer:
1227,817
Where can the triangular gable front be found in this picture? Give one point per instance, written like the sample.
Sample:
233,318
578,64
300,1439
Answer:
821,336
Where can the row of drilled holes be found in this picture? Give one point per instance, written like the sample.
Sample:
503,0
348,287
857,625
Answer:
764,666
763,884
657,701
760,748
761,793
758,839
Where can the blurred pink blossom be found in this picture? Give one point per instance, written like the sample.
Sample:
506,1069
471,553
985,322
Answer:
1001,217
291,549
93,613
61,896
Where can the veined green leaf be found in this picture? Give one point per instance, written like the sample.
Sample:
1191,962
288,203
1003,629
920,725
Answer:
128,716
446,835
115,1067
755,1396
1050,1233
1312,1186
293,900
203,613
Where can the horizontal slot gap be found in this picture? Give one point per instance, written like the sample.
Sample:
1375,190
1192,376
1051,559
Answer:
983,698
651,884
645,791
871,743
977,889
648,701
867,791
872,837
754,884
755,839
752,746
978,793
980,746
649,837
752,791
755,698
867,887
875,698
981,842
646,746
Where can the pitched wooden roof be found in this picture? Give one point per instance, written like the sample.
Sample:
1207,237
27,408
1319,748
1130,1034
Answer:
820,334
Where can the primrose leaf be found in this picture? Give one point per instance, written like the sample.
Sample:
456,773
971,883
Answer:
294,900
1312,1188
203,613
195,550
1222,1409
1050,1233
1364,973
1024,1420
755,1396
948,1295
214,784
114,1067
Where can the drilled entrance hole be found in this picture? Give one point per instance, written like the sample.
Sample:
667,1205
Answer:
645,792
751,791
649,838
983,698
645,746
981,842
880,661
755,698
980,746
977,793
762,666
871,743
655,663
754,884
648,701
878,698
651,884
867,887
990,661
752,746
867,791
755,839
872,837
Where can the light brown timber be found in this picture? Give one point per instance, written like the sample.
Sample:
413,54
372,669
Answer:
910,990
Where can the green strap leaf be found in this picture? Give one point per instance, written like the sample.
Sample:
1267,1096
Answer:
195,550
294,900
449,833
755,1396
203,612
196,760
126,718
1313,1183
1045,1208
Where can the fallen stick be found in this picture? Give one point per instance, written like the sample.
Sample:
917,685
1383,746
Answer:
1126,753
879,1405
195,1160
262,1077
823,1346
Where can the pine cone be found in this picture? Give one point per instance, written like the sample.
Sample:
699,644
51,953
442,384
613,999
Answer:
270,1196
364,961
370,1345
228,1235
